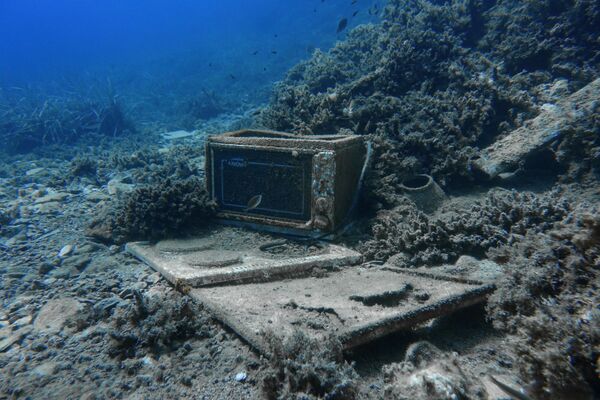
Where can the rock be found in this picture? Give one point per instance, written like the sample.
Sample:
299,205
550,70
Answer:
16,239
88,248
427,373
26,320
481,270
14,338
153,278
54,315
77,261
45,369
39,193
65,251
34,171
52,197
52,207
559,89
115,187
96,196
241,376
64,273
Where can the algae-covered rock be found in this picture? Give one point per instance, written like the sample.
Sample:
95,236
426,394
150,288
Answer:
501,218
428,373
300,367
548,299
436,81
155,212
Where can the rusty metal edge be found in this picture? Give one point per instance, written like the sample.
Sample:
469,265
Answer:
433,275
316,142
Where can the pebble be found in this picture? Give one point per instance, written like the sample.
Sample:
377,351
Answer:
241,376
88,248
52,197
96,197
52,207
78,261
22,321
65,251
45,369
34,171
39,193
153,278
14,338
18,238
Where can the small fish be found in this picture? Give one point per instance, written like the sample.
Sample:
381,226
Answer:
275,35
517,394
253,202
342,25
354,2
274,52
255,52
354,13
232,76
210,64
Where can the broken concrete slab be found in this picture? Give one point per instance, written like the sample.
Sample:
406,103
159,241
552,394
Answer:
504,156
357,305
207,260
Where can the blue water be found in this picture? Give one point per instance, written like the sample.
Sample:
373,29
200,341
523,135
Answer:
166,42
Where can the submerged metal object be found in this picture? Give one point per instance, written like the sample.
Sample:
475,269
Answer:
314,290
223,255
355,305
306,184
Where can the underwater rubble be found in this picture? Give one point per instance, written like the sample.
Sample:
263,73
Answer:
430,85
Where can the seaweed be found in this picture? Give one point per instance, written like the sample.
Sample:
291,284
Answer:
429,85
83,166
428,373
503,217
203,106
548,299
28,121
153,324
306,368
153,212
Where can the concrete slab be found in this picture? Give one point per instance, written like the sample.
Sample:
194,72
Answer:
230,255
553,121
356,304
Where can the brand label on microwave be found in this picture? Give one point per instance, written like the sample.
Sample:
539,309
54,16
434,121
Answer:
237,163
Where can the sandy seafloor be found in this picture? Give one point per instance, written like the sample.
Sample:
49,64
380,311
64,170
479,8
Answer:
91,287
